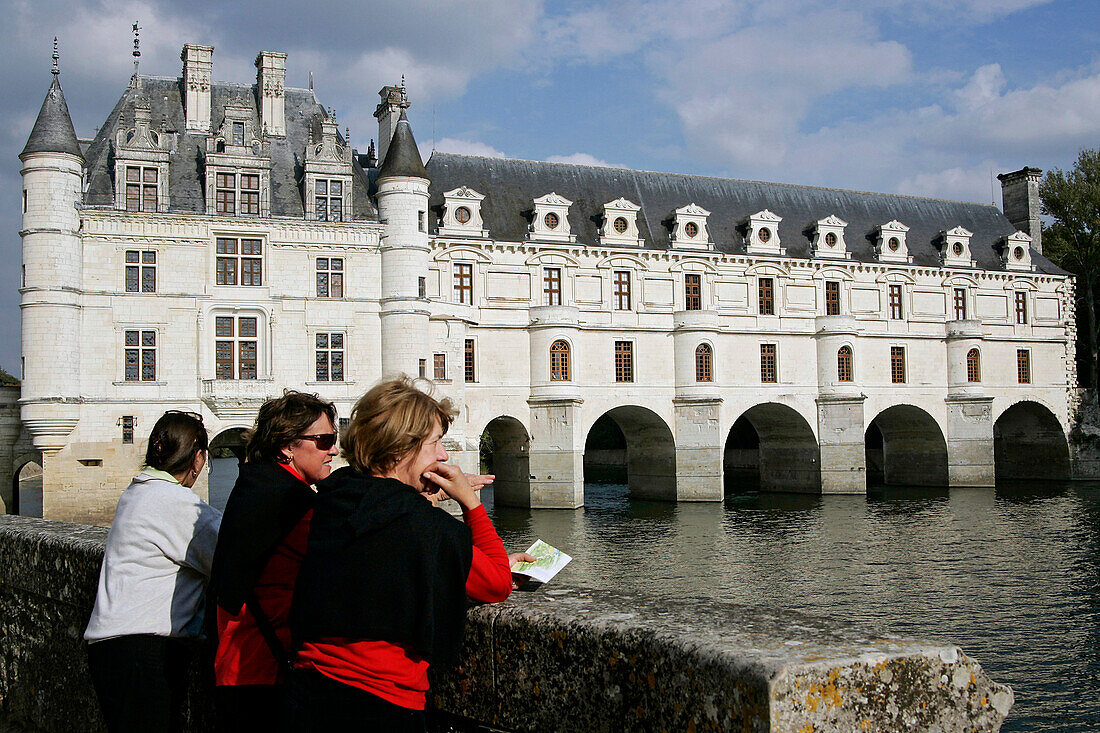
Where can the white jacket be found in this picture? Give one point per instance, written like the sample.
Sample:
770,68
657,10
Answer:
158,557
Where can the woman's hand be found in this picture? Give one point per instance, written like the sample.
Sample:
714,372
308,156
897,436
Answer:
477,483
452,481
513,558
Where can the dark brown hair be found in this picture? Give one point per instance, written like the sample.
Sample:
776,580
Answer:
175,439
388,422
280,421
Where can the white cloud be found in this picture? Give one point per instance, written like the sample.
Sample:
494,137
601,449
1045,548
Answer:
464,147
583,159
975,183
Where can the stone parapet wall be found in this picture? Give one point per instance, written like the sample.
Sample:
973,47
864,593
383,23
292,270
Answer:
556,659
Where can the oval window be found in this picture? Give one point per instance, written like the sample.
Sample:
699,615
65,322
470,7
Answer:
462,215
957,249
691,229
551,220
830,240
765,234
893,244
620,225
1018,253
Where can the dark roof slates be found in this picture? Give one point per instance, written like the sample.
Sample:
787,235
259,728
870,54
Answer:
53,128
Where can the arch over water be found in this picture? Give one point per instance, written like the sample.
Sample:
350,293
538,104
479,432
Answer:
774,445
504,449
905,447
226,456
1028,443
26,490
637,441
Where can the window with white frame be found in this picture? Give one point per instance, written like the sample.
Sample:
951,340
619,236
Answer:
624,361
330,277
141,356
330,357
551,286
620,290
239,261
328,199
141,188
464,283
439,367
141,271
237,193
236,347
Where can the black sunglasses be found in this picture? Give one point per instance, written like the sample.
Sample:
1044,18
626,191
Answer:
324,441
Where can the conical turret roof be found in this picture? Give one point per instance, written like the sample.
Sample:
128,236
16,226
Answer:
403,157
53,130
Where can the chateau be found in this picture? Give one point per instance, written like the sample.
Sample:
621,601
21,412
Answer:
217,242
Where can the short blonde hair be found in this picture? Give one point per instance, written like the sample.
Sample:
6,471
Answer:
388,422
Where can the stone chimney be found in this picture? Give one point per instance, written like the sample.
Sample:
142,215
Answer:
1020,203
198,64
388,113
270,80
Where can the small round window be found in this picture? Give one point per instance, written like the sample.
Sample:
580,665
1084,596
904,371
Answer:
957,249
830,240
765,234
620,225
462,215
691,229
1018,253
893,244
551,220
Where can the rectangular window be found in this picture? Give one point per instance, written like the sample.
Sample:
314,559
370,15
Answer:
832,298
239,256
766,297
330,357
141,356
1021,307
128,429
330,277
895,303
422,287
1023,366
624,361
225,193
422,221
960,304
769,371
422,368
329,199
468,361
238,133
551,286
141,271
621,290
141,188
250,194
464,283
897,364
235,347
693,292
439,367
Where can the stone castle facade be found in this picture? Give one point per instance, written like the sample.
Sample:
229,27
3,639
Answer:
217,242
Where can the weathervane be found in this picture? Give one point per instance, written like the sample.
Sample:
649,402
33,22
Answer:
137,46
55,71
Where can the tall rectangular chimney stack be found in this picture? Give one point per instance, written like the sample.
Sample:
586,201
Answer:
1020,203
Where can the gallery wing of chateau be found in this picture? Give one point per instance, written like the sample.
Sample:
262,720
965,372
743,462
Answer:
218,242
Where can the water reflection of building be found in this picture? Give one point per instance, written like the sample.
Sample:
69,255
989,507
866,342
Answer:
216,242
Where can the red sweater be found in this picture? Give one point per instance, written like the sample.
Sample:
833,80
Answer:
243,656
393,672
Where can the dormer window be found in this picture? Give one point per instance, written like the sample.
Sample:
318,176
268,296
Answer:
328,199
689,228
762,236
462,213
829,238
620,224
955,247
551,219
141,165
141,188
231,188
238,133
238,169
890,242
1015,252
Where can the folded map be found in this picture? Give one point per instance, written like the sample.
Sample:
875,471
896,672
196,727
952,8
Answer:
549,563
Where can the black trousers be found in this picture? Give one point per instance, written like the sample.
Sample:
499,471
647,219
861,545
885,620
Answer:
249,708
141,681
316,702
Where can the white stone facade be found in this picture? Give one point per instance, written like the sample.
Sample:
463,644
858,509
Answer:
674,343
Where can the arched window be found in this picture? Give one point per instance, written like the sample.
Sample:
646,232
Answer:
844,364
973,366
703,365
559,361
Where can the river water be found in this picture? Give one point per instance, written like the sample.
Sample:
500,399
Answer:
1011,576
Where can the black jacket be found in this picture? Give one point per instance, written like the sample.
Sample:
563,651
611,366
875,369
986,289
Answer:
383,564
266,503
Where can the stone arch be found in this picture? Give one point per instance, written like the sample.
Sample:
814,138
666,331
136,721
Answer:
632,445
226,456
773,446
905,446
26,488
1029,443
505,451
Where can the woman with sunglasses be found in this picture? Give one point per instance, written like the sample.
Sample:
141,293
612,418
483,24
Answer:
260,549
151,584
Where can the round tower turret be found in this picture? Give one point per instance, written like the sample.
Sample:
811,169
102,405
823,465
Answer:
52,272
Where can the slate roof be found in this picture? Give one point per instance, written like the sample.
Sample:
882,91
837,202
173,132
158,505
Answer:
53,130
510,186
185,172
402,156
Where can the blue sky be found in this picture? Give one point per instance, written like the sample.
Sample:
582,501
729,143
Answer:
925,97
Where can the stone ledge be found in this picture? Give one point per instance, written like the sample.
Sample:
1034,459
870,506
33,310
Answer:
556,659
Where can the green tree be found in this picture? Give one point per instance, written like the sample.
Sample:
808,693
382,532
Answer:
1072,200
7,379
